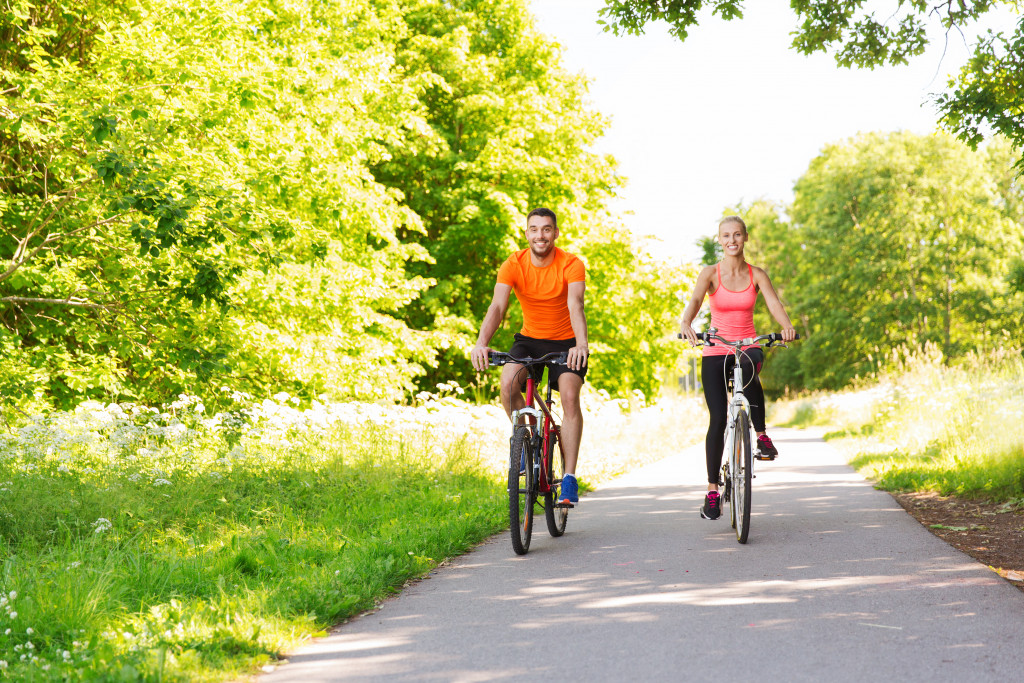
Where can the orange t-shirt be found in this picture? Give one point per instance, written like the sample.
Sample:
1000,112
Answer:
543,292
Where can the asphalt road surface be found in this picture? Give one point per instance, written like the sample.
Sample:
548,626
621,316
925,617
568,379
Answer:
836,583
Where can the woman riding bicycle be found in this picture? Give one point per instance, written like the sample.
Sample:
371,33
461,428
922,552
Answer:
732,285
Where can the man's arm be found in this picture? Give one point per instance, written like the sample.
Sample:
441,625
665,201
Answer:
492,321
578,354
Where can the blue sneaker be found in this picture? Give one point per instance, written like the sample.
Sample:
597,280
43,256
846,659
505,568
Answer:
570,490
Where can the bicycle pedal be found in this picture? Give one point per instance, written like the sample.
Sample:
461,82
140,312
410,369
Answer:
568,506
763,457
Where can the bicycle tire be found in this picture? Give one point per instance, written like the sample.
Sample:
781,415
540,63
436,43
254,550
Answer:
742,476
556,516
521,490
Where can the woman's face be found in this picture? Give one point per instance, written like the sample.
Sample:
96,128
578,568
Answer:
732,237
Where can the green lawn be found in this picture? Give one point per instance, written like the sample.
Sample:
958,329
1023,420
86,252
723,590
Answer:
163,545
930,427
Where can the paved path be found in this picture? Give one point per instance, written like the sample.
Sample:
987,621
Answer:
837,583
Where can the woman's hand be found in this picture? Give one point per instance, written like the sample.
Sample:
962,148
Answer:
688,333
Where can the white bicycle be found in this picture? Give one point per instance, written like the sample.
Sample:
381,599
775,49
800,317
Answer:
738,469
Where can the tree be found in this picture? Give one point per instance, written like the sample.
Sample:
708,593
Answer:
903,240
634,302
499,128
985,95
186,201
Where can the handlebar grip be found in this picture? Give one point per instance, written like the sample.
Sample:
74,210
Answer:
702,336
497,358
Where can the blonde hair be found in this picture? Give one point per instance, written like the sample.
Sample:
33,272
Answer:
733,219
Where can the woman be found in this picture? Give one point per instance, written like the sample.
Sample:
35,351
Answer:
732,285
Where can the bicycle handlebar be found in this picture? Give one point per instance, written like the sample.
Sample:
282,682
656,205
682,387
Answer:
711,336
555,358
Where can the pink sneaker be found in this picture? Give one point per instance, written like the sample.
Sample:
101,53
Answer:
765,448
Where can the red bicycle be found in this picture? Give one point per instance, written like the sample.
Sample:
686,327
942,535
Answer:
535,469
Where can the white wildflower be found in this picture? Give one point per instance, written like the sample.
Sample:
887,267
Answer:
161,482
102,524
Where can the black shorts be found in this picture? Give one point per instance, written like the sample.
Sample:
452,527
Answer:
528,347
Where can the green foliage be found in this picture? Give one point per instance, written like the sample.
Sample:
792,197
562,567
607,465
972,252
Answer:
711,250
300,195
499,128
858,36
927,426
185,195
896,240
986,95
633,304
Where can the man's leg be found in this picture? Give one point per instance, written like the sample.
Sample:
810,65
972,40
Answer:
569,386
512,377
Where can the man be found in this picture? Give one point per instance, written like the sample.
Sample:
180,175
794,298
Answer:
549,284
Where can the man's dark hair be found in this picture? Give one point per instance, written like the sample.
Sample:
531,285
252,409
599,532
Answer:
546,213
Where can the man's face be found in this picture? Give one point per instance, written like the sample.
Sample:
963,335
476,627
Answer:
541,234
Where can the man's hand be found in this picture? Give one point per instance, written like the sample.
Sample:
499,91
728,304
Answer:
578,356
480,358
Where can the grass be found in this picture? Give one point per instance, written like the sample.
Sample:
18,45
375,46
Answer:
142,544
953,430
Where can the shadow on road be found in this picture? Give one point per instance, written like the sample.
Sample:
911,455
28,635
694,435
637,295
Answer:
836,583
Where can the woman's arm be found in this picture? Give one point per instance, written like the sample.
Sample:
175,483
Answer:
700,290
775,306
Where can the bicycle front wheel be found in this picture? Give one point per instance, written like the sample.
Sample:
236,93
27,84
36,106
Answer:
556,516
742,474
521,490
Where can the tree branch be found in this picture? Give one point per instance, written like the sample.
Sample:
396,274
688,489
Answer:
70,301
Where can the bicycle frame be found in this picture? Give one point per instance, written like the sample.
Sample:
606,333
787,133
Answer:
541,415
738,402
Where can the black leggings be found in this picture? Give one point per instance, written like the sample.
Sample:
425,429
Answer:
715,371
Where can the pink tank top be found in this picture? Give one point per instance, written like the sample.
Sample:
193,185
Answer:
732,313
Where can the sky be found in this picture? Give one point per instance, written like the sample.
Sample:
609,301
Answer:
732,114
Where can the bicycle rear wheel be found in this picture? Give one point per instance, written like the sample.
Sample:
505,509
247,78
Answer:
521,490
556,516
742,473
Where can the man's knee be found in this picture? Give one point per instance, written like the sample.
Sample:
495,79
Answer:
569,387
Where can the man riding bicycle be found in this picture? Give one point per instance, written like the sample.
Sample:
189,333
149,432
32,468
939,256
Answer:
549,284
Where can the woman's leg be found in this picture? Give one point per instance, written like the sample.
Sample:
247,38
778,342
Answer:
751,364
712,377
